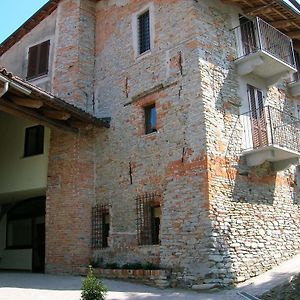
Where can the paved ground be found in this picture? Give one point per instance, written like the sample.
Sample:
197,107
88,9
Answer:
27,286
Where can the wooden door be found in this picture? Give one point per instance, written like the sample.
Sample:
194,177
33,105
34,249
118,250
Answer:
258,117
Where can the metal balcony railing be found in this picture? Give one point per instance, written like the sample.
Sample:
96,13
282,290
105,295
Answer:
257,35
269,126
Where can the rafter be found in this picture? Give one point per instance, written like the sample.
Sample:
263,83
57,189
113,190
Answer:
294,34
27,113
57,115
31,103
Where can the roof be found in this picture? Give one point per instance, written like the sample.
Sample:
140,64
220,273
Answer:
24,99
276,12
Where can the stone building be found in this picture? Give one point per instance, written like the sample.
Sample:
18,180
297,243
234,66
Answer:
151,131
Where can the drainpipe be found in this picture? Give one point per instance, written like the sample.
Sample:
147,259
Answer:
4,89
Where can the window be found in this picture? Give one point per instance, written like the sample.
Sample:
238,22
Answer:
100,226
150,119
34,140
148,219
19,233
38,59
144,32
257,114
21,220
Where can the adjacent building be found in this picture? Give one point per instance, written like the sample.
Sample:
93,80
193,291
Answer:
151,131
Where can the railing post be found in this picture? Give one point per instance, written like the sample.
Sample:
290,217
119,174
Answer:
259,32
293,54
271,125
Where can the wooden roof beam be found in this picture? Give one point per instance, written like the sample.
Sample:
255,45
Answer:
294,34
27,113
57,115
26,102
263,8
281,23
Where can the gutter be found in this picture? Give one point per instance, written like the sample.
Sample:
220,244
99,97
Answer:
4,89
14,85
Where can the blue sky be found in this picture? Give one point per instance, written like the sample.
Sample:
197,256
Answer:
14,13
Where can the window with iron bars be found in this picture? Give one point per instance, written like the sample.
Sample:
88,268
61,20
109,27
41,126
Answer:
100,226
148,210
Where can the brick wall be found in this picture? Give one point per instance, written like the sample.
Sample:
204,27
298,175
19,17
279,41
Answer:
70,196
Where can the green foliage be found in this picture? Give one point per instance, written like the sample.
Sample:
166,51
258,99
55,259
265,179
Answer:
112,266
93,288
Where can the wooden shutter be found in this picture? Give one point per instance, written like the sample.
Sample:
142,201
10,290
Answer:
44,58
38,60
32,61
258,120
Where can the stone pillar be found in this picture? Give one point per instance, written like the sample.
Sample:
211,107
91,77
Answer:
73,69
69,200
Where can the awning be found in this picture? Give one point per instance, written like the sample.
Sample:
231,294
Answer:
20,98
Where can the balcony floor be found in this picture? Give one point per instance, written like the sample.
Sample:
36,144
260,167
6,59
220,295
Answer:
282,157
265,66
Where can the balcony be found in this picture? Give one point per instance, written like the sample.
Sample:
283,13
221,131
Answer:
270,135
264,51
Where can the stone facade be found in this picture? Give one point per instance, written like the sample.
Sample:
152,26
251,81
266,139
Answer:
222,222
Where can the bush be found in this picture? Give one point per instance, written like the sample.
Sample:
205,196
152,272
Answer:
112,266
93,288
133,266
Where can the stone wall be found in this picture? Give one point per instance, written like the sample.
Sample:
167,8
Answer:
222,222
73,76
171,161
254,212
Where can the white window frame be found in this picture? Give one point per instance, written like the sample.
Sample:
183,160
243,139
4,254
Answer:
135,30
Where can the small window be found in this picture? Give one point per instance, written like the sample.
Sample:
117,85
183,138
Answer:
150,119
21,219
144,32
19,233
148,219
34,140
100,226
38,60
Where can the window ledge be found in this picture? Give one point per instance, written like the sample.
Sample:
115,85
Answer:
150,134
30,156
143,55
40,77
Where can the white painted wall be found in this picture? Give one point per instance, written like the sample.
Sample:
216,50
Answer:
20,177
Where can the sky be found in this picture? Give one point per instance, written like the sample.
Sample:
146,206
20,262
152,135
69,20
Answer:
14,13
